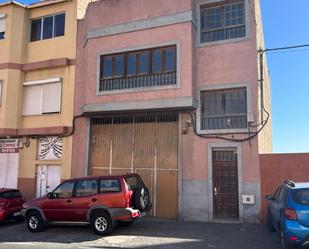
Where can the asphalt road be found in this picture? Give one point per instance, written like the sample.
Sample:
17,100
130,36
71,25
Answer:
145,233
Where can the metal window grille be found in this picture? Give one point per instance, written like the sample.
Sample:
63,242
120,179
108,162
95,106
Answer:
224,109
130,119
223,21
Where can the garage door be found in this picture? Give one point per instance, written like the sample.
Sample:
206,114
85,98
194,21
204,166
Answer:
146,145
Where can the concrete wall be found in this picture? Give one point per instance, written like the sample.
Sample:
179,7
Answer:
197,177
265,137
275,168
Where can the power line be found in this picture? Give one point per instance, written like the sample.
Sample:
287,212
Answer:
283,48
289,51
261,78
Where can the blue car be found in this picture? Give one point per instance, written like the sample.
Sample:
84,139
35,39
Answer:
288,214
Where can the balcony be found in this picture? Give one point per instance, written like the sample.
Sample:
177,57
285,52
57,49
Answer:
147,68
139,81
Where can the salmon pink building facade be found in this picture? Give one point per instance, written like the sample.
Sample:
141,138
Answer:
171,90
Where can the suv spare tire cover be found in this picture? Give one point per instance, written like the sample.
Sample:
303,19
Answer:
141,198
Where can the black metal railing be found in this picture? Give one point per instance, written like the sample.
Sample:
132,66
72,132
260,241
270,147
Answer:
224,122
140,81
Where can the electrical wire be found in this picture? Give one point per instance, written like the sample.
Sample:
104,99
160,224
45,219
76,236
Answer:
254,134
284,48
289,51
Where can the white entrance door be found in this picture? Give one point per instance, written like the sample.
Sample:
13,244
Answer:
8,170
48,177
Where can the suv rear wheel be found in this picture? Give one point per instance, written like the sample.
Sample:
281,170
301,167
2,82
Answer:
35,222
141,199
101,223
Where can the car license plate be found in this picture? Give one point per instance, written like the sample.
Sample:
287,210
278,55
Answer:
16,213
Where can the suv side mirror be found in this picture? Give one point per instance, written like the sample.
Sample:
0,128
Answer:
269,197
49,195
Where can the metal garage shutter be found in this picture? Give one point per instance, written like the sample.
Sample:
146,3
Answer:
144,144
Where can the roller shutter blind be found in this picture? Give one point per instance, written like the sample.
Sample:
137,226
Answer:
32,100
42,99
51,98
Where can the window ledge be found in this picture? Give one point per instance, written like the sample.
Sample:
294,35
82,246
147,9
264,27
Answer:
141,89
221,42
44,114
222,131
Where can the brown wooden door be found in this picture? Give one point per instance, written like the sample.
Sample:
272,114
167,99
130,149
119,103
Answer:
225,184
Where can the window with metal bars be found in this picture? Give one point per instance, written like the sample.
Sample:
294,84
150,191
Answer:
130,119
223,21
224,155
224,109
144,68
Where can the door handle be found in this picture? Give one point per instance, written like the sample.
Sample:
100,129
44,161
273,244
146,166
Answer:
215,191
69,201
94,199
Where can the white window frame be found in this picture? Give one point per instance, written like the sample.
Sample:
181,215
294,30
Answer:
3,18
42,24
42,82
201,3
199,129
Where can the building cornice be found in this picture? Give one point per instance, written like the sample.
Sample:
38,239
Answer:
137,25
46,64
42,131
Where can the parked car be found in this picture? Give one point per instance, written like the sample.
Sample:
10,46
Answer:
11,202
288,214
99,201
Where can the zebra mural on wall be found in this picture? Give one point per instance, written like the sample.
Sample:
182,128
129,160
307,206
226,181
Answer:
50,148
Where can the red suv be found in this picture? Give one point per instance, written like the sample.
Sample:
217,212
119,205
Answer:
11,202
96,200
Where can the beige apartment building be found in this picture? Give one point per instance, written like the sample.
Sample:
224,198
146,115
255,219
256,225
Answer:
37,70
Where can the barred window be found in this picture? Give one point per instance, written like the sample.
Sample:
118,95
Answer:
223,21
224,109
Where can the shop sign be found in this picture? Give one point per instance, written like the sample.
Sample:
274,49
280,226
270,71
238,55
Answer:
9,146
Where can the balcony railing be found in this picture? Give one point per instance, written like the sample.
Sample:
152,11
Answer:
224,122
140,81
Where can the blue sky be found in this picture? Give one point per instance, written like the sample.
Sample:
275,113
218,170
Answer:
286,22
